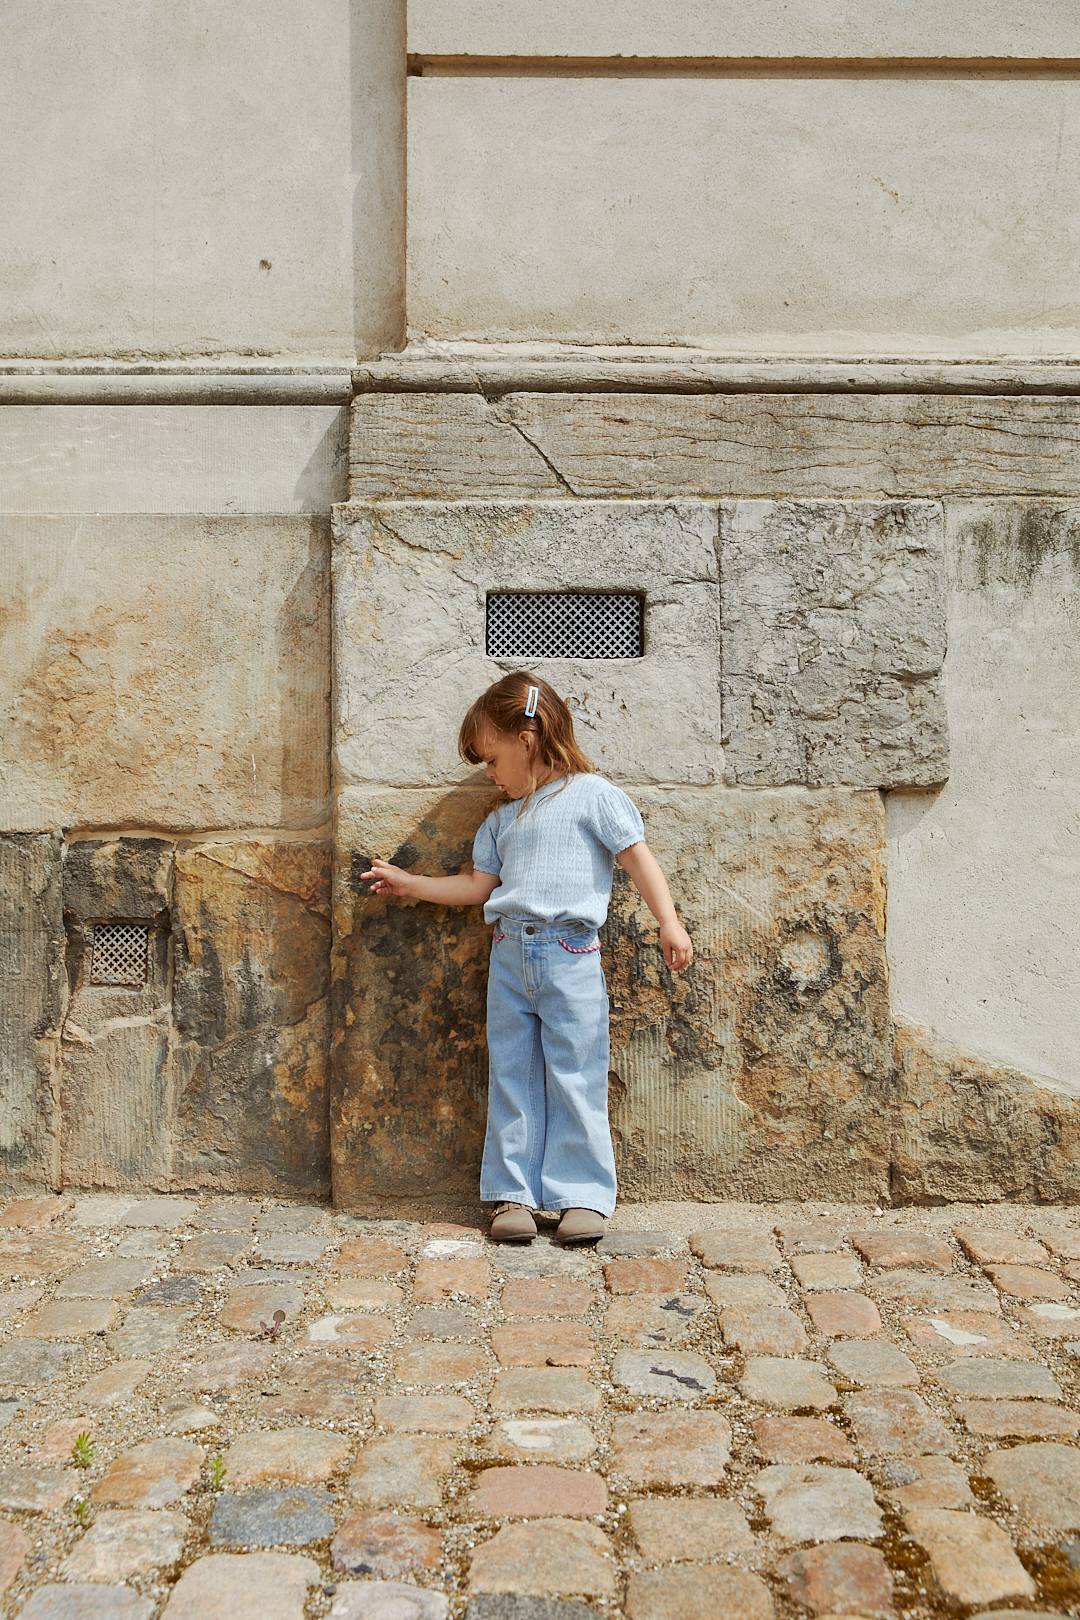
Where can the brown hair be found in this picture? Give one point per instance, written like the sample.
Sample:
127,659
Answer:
502,707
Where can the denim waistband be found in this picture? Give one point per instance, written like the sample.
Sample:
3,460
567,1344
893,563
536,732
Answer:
530,929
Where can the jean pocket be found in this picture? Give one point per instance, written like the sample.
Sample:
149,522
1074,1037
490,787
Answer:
579,950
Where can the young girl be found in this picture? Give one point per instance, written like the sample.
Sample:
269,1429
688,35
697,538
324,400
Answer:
542,869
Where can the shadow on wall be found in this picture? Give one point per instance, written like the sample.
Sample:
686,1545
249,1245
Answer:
762,1072
408,1007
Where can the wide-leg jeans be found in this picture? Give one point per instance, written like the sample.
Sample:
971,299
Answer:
548,1142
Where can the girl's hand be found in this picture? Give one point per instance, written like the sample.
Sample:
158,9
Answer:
388,879
676,946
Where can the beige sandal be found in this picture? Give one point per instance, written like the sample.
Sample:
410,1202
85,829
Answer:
580,1226
512,1223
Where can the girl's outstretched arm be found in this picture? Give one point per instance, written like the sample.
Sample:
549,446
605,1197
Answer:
644,869
463,889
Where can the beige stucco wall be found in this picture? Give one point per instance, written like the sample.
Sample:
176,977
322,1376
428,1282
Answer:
172,458
202,179
835,215
984,873
731,28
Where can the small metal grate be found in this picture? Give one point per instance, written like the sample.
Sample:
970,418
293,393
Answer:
564,624
119,952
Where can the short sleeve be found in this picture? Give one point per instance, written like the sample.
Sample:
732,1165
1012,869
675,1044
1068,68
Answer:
485,856
617,819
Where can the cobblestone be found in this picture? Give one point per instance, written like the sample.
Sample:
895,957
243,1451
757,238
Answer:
690,1529
813,1502
935,1482
121,1544
150,1475
387,1600
271,1518
787,1382
86,1602
845,1315
673,1375
972,1559
539,1489
697,1594
385,1544
296,1455
802,1439
868,1362
543,1344
551,1557
541,1439
402,1469
651,1448
252,1586
843,1578
731,1411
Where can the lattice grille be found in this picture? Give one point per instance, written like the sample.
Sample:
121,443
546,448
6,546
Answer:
119,953
564,624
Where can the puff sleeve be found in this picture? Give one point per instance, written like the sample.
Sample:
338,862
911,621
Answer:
617,819
485,855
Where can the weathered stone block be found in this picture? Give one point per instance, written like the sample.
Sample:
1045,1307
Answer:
408,997
800,445
116,1102
32,998
251,923
127,699
763,1071
760,1074
833,635
963,1128
410,587
117,877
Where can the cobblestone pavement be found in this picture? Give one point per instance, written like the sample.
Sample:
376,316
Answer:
226,1407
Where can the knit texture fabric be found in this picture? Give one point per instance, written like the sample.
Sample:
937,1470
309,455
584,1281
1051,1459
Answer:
555,861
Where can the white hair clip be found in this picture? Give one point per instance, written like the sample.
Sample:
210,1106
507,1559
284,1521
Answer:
530,706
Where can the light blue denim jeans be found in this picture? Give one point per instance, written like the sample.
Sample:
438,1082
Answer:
548,1142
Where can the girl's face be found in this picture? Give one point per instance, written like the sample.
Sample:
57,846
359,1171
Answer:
507,759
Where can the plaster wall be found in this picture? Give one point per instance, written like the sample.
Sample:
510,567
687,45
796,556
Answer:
731,29
984,874
202,179
172,458
839,215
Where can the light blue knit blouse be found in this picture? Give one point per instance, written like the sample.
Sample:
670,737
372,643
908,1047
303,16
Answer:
556,859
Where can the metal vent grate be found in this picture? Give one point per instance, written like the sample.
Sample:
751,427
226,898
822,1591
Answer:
564,624
119,953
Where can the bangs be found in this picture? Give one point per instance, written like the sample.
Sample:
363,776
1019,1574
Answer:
472,726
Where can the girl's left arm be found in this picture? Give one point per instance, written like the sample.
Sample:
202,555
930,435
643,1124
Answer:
649,880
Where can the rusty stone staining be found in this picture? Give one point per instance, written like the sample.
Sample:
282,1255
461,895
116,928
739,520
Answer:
964,1128
767,1066
252,929
32,998
409,1057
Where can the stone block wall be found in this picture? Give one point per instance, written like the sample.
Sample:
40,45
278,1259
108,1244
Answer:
768,312
811,667
165,764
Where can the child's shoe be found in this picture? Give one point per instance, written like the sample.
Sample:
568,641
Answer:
580,1226
512,1223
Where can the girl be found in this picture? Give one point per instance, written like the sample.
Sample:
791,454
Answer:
542,869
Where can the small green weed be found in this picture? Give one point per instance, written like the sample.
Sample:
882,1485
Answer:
82,1452
80,1510
217,1471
